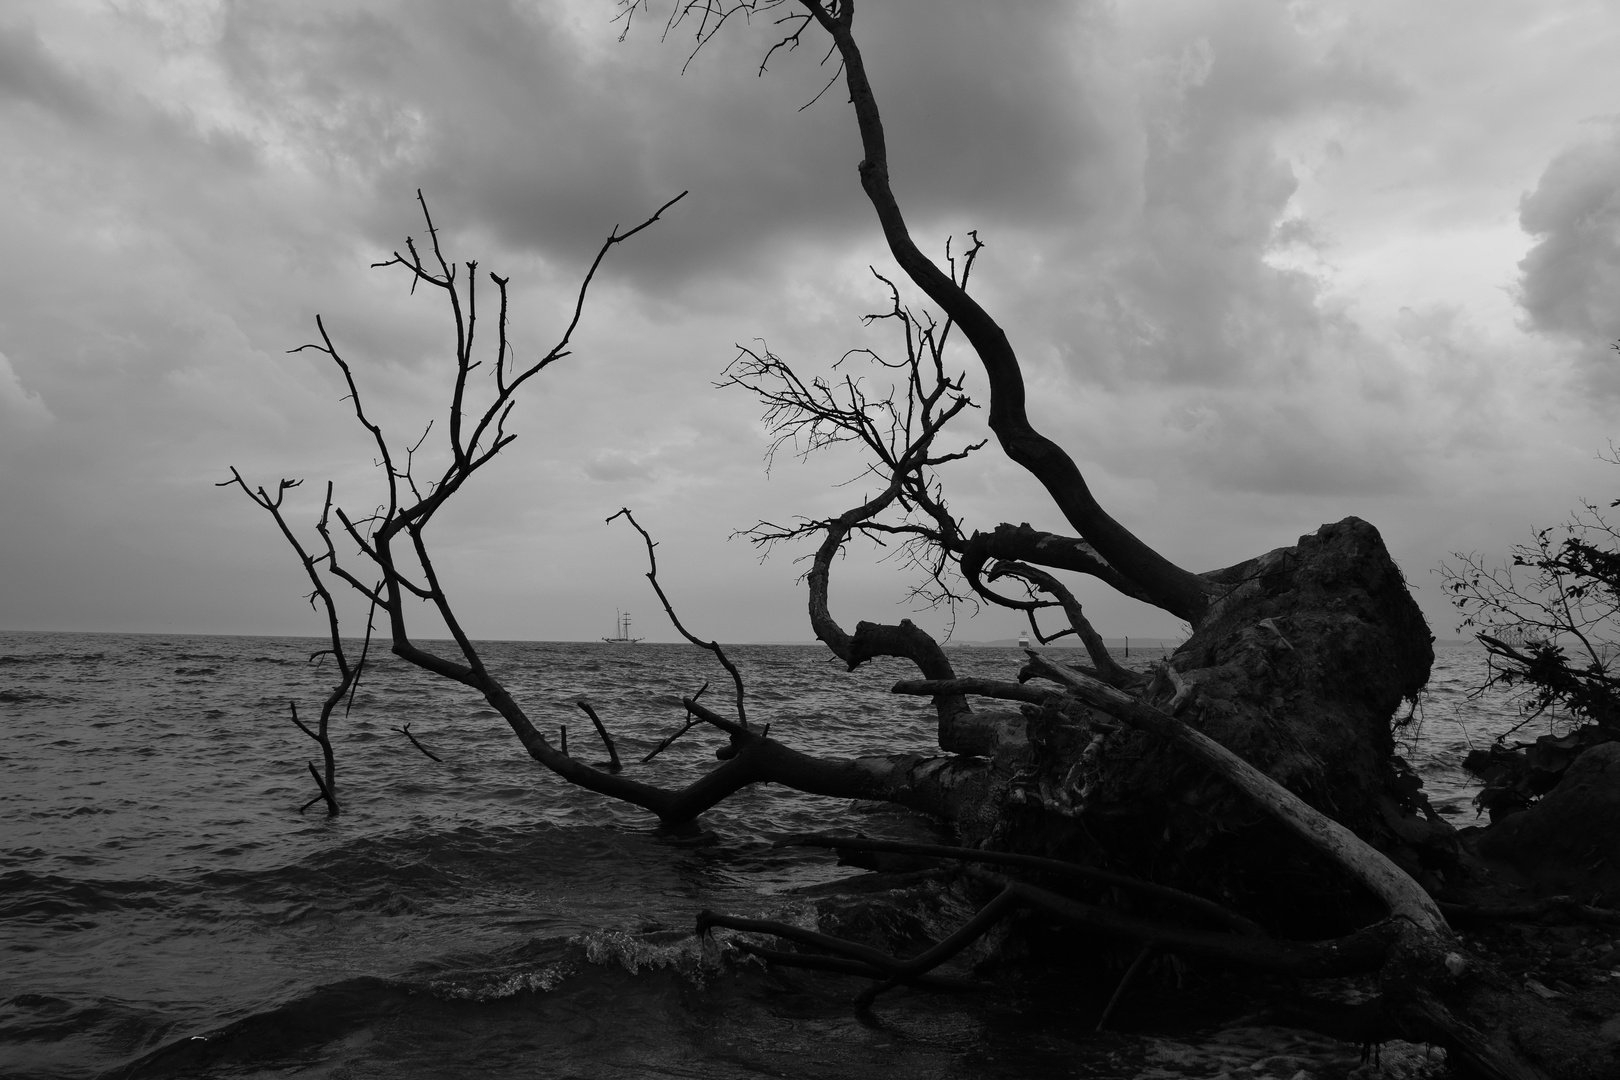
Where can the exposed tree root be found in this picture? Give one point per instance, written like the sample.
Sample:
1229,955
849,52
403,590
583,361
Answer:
1176,897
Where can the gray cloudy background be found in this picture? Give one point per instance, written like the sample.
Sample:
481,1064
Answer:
1267,265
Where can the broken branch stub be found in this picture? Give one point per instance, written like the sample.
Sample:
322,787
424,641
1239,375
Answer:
607,740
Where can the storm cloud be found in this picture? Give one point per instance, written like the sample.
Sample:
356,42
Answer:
1266,265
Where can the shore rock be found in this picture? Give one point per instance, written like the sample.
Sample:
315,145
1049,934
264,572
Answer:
1569,841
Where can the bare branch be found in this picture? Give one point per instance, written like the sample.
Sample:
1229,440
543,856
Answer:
346,675
710,646
1101,658
691,723
406,731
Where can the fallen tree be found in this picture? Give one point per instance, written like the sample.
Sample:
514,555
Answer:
1249,781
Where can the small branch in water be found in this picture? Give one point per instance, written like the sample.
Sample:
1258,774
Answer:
326,792
406,731
365,649
696,714
562,738
607,740
301,727
661,747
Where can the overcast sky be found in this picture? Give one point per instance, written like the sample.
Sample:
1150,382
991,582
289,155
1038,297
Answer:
1266,265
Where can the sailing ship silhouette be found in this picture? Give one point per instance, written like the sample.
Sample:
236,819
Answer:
621,629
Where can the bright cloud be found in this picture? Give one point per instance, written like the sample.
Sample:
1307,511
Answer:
1571,276
20,407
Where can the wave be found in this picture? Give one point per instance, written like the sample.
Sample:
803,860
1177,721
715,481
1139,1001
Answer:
34,1022
34,697
283,1034
610,1004
411,872
612,987
49,898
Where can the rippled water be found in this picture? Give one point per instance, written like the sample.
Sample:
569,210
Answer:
164,910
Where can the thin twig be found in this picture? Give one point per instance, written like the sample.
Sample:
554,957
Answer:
661,747
326,793
365,649
406,731
711,646
301,727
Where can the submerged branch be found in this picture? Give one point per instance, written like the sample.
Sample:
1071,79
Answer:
406,731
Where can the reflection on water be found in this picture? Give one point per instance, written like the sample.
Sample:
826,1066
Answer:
160,896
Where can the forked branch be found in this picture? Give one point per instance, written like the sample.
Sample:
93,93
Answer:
407,571
708,646
326,778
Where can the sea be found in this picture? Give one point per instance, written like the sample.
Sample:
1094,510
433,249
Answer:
166,910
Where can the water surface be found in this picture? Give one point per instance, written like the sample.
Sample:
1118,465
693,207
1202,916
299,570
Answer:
161,895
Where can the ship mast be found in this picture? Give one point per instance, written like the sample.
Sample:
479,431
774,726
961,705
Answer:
621,629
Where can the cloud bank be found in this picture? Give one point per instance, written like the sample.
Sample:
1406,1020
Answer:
1570,279
1266,265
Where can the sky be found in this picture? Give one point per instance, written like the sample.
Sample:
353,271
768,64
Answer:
1266,265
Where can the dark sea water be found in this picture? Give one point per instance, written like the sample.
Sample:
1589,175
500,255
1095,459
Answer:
166,911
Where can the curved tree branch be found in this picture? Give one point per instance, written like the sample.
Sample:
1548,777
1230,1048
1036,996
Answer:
1166,585
1110,669
708,646
1024,544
